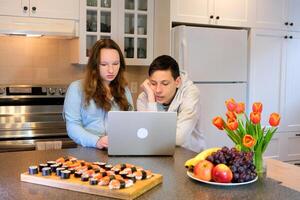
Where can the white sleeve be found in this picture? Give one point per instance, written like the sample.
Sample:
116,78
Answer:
188,116
142,103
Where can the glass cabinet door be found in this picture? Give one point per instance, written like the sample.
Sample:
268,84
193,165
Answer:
136,36
98,21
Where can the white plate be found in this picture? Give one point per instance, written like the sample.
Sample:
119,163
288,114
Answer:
191,175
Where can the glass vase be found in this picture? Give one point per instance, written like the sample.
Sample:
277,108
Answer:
259,165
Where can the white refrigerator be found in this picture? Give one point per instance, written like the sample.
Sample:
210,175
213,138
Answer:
216,61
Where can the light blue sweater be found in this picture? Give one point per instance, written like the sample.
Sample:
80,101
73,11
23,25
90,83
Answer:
85,124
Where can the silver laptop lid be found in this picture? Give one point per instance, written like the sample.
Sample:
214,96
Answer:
141,133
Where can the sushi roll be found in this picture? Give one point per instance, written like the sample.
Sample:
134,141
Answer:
123,173
53,167
46,171
85,177
119,184
41,166
58,170
72,170
77,174
65,174
142,174
93,181
108,167
49,163
131,177
33,170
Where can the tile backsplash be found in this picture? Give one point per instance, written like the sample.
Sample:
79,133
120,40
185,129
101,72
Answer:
26,60
36,61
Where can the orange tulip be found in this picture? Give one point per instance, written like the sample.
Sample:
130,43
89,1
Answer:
230,115
240,108
257,107
248,141
218,122
274,119
230,104
232,124
255,117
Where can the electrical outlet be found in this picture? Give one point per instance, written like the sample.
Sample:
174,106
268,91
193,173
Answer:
134,87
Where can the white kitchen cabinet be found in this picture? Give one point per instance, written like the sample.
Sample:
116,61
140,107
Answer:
213,12
279,14
265,73
274,81
68,9
128,22
291,85
293,146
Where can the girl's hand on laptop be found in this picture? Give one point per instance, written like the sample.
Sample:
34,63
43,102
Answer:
102,142
147,89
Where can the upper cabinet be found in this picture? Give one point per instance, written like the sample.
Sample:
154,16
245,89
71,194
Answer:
280,14
68,9
213,12
128,22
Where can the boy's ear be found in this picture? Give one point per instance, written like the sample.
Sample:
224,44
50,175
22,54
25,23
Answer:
178,81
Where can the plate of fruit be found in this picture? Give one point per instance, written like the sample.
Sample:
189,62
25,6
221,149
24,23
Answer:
222,166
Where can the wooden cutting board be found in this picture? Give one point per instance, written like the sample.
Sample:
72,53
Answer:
77,185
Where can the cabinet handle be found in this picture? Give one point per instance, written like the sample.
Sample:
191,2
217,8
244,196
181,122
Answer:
291,37
285,37
211,17
292,24
33,8
25,8
286,23
297,134
217,17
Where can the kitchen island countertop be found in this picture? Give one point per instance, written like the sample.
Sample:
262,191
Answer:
176,184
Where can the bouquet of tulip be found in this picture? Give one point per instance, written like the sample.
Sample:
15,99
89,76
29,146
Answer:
248,135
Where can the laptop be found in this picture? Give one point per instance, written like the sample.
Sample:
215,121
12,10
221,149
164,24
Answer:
141,133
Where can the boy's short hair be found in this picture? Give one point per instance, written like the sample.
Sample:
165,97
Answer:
164,62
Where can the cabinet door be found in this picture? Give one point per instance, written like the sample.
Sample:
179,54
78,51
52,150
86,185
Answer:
14,7
68,9
192,11
98,20
270,14
136,31
291,106
231,13
265,71
293,8
292,146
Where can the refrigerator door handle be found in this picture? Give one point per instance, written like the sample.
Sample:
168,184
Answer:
183,55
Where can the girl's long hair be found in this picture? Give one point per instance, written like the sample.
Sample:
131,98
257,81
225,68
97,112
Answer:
94,88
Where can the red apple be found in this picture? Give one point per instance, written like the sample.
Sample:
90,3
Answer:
221,173
203,169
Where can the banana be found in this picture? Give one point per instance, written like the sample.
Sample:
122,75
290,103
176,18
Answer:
201,156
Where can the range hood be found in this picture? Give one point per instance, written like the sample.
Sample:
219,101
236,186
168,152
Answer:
38,26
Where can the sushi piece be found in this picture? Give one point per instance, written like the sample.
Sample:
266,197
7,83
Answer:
120,184
41,166
131,177
142,174
93,181
58,170
106,180
108,166
85,177
49,163
33,170
65,174
53,167
77,174
46,171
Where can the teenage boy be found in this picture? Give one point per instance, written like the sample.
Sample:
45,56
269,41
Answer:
168,89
